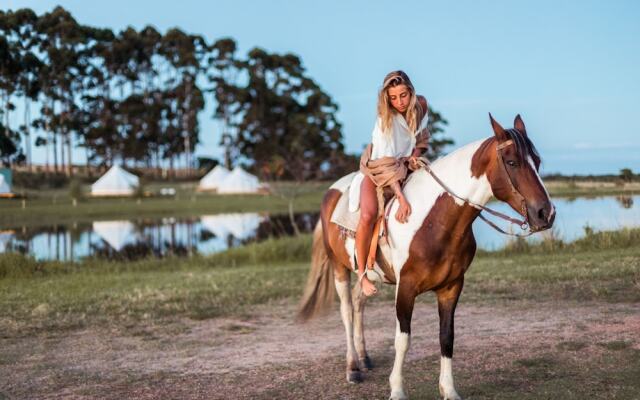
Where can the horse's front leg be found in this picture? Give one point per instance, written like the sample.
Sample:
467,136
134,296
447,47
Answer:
447,301
343,283
359,300
405,299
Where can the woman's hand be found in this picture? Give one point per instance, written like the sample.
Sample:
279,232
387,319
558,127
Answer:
413,163
404,210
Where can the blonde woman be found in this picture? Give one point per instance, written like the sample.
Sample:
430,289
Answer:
399,136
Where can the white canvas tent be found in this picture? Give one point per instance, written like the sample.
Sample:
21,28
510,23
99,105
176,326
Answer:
116,182
239,181
212,180
4,186
116,233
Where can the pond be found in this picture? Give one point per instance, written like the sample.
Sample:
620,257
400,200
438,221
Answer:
208,234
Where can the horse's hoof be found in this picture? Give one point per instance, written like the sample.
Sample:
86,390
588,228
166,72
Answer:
366,363
354,376
398,395
452,395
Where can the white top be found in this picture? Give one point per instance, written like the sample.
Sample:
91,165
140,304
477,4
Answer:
400,142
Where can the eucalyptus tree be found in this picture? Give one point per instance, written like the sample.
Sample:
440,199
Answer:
286,123
185,54
150,41
222,72
61,42
9,76
19,28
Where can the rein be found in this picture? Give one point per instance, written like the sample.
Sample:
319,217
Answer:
524,224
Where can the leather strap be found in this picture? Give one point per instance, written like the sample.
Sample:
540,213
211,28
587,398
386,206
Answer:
523,224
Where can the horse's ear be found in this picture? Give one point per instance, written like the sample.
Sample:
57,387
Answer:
501,135
518,123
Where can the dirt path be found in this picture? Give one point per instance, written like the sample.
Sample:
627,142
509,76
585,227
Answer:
269,356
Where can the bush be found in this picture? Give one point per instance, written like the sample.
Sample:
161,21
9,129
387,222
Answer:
39,180
75,190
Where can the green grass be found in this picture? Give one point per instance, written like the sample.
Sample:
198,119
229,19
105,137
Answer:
50,298
43,295
592,240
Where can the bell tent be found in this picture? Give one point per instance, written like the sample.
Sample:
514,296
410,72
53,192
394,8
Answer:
116,182
239,181
212,180
5,189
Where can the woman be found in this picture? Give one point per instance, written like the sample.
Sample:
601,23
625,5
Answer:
399,137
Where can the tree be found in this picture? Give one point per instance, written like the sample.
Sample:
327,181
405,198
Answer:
19,27
437,141
222,72
626,175
134,97
9,76
285,124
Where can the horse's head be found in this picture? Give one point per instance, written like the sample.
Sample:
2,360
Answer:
514,175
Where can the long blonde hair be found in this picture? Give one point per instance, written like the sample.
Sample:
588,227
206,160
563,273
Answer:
386,110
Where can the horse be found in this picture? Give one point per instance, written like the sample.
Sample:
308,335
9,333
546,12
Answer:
433,249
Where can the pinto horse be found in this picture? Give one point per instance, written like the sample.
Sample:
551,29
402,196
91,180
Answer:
431,251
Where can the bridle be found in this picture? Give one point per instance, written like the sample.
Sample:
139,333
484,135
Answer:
524,224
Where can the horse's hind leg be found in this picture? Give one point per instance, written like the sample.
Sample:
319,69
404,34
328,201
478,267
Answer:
343,287
359,300
447,301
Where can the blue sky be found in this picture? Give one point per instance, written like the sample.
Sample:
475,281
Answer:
570,68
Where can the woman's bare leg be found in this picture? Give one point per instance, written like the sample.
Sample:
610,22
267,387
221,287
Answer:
368,215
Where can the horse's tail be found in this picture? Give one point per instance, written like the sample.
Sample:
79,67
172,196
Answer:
320,289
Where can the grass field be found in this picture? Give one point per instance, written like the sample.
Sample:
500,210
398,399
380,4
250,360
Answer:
561,315
43,295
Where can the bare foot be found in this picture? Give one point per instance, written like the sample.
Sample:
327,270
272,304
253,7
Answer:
368,288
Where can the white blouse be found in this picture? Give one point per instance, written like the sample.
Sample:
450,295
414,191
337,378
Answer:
399,143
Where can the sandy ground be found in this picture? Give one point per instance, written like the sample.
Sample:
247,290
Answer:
267,355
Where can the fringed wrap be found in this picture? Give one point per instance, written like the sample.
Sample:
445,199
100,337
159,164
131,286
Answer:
385,171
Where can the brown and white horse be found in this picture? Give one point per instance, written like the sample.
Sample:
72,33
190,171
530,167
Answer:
433,250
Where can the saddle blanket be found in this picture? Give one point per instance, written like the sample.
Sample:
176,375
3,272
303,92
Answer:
348,220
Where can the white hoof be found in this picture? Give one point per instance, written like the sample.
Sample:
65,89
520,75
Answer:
398,395
450,394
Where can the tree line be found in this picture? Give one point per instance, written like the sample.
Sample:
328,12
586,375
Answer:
133,97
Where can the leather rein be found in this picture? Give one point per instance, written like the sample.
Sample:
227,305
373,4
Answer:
524,224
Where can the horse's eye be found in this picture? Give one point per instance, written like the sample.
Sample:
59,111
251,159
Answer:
512,163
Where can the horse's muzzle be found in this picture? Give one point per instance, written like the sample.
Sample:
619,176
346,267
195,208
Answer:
541,216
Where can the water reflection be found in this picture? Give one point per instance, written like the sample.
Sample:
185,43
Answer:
625,201
129,240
